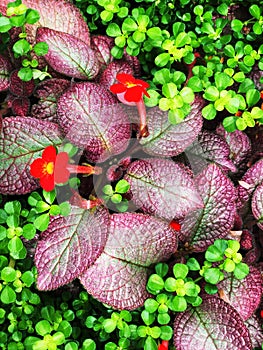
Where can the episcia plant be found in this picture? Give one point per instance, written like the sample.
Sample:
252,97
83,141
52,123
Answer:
160,209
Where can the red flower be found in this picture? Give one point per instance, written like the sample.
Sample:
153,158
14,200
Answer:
131,88
175,225
54,168
164,345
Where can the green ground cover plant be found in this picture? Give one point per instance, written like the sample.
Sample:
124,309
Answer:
131,175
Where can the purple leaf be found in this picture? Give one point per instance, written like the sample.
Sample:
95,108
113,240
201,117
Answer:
20,88
202,226
209,148
69,246
252,178
166,139
68,55
239,143
257,205
20,106
102,46
244,295
119,275
213,325
58,15
22,140
93,119
48,92
161,187
5,69
255,330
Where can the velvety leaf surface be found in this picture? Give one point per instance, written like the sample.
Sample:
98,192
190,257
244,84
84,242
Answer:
20,106
162,188
53,14
21,141
239,144
214,325
69,246
201,227
93,119
102,46
20,88
69,55
5,69
166,139
108,77
244,295
119,275
209,148
252,178
255,330
48,92
257,205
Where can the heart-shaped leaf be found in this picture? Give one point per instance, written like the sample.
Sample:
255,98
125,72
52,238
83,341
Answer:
166,139
252,178
22,140
68,55
257,205
102,45
5,69
214,325
162,188
70,245
108,77
201,227
48,92
93,119
119,275
244,295
239,144
208,148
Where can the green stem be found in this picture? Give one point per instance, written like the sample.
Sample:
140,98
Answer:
12,262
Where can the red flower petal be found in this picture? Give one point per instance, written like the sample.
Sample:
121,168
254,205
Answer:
47,182
142,83
49,154
125,78
175,225
37,167
61,173
133,94
118,88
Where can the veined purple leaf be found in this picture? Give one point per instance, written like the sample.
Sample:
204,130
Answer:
20,88
53,14
239,144
252,178
102,46
162,188
201,227
244,295
68,54
214,325
166,139
209,148
119,275
22,140
5,69
257,205
20,106
48,92
70,245
93,119
255,330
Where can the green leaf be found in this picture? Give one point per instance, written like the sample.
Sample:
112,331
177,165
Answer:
8,274
191,289
129,25
211,288
21,47
162,59
222,9
170,284
123,205
5,24
166,332
236,25
25,74
109,325
155,33
163,318
252,97
65,208
42,206
214,254
229,51
151,305
32,16
8,296
54,210
229,123
43,327
209,112
49,196
150,344
41,48
29,231
187,94
222,81
147,317
116,198
161,269
34,198
178,304
213,275
180,270
155,283
193,264
195,83
41,222
211,93
13,207
15,245
255,11
120,41
241,270
229,265
169,90
182,39
232,105
17,21
246,85
122,186
106,15
241,124
113,30
28,278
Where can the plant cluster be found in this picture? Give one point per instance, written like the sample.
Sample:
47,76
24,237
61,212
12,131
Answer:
131,209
